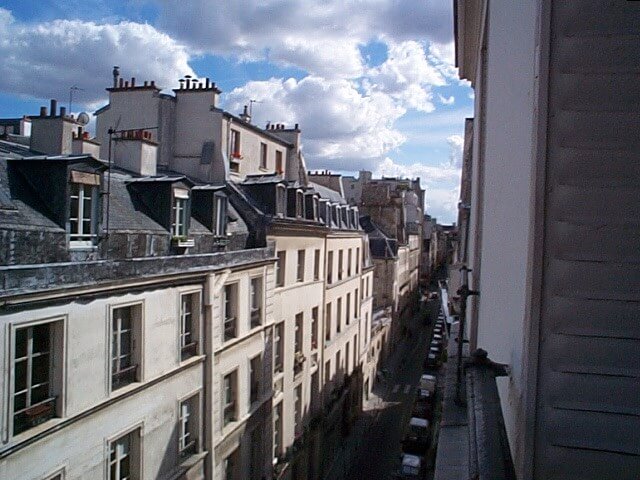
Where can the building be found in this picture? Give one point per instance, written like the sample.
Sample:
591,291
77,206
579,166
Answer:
319,303
118,292
552,239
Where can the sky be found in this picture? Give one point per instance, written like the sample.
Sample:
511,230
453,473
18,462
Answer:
370,82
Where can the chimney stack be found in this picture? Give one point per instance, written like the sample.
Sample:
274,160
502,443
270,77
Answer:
54,108
133,82
43,111
116,74
245,115
121,83
63,111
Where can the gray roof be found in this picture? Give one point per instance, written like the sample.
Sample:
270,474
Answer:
329,194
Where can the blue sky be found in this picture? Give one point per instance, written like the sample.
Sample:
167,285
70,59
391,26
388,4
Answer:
371,83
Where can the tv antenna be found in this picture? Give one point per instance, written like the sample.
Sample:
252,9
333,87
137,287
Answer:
73,88
251,102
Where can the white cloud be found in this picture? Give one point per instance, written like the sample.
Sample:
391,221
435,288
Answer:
45,59
446,100
321,38
342,128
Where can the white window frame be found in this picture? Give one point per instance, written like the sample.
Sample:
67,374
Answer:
221,207
281,271
234,387
57,366
233,303
137,342
196,315
300,265
80,237
136,447
184,444
253,293
180,210
278,344
264,155
281,201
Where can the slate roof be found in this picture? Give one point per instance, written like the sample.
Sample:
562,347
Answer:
380,244
331,195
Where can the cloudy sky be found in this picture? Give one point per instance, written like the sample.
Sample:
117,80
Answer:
371,82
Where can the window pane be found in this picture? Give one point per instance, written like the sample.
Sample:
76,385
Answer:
21,343
40,372
39,393
41,338
20,401
20,375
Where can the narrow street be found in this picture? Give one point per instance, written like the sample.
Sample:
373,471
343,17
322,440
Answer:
387,413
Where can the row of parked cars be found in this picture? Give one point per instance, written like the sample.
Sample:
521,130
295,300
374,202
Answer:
417,439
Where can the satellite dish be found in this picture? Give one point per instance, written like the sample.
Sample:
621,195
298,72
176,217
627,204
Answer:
83,118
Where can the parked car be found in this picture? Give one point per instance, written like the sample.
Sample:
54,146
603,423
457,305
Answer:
412,466
417,439
433,296
433,361
423,406
428,382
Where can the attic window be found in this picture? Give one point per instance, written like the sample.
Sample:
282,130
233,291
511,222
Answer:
220,215
281,200
179,220
334,215
315,208
324,211
235,144
299,203
83,209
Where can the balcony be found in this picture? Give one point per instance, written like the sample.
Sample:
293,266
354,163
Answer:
229,328
256,317
189,350
34,415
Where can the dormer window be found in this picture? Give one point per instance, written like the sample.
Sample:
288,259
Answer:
299,203
180,210
334,215
324,211
220,215
83,209
315,208
281,200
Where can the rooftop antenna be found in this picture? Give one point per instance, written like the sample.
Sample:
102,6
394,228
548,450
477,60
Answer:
74,88
251,102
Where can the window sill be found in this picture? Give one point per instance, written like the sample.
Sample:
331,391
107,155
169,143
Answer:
81,247
43,427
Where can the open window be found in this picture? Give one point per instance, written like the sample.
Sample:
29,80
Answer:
180,214
281,200
84,191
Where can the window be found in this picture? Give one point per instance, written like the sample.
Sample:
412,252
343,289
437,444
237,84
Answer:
277,431
124,457
279,168
348,312
330,267
255,374
327,323
349,263
230,393
355,350
189,313
230,311
298,333
339,315
123,361
281,200
280,268
355,304
346,357
316,264
314,328
278,347
338,362
220,215
298,410
340,264
256,302
179,221
35,376
300,271
83,214
357,260
189,426
263,155
235,144
232,465
299,204
327,372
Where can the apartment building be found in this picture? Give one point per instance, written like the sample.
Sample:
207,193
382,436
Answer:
322,270
554,169
130,310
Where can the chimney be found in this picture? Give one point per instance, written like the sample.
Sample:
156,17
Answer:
52,134
181,81
145,83
116,74
63,111
133,82
245,115
121,83
206,83
43,111
187,79
54,108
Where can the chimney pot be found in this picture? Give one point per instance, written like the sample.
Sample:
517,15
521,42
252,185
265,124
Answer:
79,131
121,83
296,127
133,81
85,135
145,83
187,79
116,74
181,81
43,111
63,111
126,84
206,82
153,83
54,108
